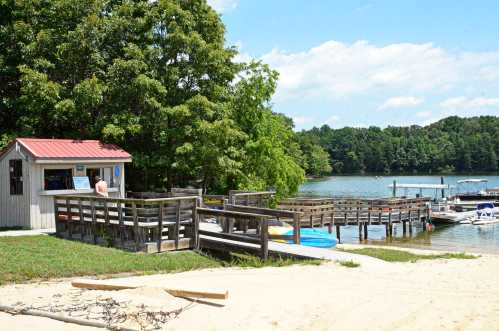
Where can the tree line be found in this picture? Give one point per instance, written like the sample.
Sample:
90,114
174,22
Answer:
154,77
450,145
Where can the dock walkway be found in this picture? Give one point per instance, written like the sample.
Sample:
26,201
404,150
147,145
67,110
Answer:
291,250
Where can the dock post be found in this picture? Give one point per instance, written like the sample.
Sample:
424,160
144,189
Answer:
360,231
338,233
394,193
442,190
330,224
365,231
264,236
311,222
404,227
389,228
94,220
297,228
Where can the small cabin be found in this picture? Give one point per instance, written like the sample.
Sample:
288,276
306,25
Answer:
32,171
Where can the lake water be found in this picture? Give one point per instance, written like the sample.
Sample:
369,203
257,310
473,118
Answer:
471,238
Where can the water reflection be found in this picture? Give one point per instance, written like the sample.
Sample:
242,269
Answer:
464,237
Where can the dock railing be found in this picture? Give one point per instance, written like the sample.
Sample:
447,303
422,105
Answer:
150,225
230,240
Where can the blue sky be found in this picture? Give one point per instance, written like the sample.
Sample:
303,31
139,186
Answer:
361,63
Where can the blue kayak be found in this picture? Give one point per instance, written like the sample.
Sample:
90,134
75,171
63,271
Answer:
313,237
316,238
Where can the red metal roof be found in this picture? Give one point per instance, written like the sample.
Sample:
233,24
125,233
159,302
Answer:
69,148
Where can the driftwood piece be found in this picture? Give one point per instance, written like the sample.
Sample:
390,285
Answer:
175,292
79,321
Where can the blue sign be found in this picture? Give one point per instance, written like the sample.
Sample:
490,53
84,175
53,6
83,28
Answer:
117,171
81,183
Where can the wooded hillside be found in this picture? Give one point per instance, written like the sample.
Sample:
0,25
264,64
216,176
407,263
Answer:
451,145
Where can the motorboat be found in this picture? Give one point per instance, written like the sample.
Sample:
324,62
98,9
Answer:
485,214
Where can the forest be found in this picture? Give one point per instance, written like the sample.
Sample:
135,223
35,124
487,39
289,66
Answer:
451,145
154,77
157,79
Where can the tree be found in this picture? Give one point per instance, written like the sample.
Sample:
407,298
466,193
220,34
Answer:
152,76
318,161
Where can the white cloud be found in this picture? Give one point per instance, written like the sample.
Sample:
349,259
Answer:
332,120
337,70
401,102
222,6
300,120
424,114
469,103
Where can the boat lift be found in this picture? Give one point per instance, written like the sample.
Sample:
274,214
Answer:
437,187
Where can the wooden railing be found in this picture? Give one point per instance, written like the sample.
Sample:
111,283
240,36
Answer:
286,216
228,219
255,199
135,224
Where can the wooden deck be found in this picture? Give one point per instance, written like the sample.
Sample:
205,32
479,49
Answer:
171,222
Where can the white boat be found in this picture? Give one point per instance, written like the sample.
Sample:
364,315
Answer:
486,213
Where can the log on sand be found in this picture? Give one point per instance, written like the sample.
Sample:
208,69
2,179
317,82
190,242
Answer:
93,285
79,321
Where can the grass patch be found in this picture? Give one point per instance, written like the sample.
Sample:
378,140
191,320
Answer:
393,255
251,261
349,264
44,257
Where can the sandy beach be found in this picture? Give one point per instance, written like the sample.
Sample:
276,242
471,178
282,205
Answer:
435,294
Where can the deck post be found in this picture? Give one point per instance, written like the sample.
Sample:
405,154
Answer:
135,225
311,221
195,221
264,237
94,220
390,222
69,220
82,221
56,215
106,213
160,226
360,231
296,228
177,223
121,224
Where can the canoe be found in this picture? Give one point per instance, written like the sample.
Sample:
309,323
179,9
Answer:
308,237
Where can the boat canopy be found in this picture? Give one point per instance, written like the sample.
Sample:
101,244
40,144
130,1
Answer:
472,180
422,186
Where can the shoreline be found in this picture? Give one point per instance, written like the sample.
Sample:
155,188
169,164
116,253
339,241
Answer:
451,294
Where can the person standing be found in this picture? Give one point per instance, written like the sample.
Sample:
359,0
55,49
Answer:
101,187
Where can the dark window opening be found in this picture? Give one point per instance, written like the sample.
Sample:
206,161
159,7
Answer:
91,173
58,179
16,177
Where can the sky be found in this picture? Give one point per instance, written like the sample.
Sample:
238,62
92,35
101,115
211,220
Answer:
362,63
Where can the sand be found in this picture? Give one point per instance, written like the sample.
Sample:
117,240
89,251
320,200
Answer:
432,295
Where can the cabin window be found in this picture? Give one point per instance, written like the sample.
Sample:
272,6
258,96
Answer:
58,179
16,177
105,173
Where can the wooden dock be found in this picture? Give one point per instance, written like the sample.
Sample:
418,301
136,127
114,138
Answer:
208,241
172,222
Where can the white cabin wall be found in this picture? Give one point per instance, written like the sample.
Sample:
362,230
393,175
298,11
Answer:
42,207
14,209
